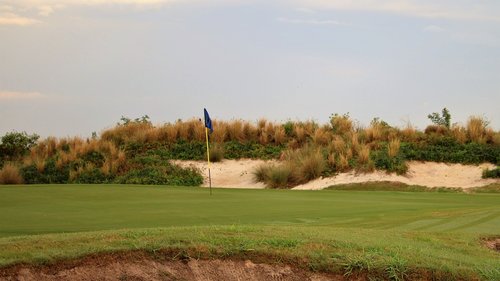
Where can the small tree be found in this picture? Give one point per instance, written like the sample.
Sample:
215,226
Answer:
15,144
441,120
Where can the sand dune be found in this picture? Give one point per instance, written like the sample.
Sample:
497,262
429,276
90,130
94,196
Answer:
238,174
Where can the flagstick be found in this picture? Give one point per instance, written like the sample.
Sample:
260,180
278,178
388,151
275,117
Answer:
208,160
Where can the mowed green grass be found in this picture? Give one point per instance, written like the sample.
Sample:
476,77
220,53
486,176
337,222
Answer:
390,235
77,208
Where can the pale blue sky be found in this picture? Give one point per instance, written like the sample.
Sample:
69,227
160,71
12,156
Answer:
74,67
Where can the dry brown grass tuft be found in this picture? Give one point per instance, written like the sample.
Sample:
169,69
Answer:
496,138
476,129
436,129
321,137
459,133
409,133
374,132
342,162
235,130
300,134
341,124
393,147
250,132
279,135
363,154
182,130
338,145
355,146
9,174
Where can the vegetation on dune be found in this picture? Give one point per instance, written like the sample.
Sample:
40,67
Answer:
135,150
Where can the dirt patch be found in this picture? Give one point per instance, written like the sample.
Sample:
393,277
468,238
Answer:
140,266
493,244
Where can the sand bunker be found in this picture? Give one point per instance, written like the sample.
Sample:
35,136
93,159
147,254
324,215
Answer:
238,174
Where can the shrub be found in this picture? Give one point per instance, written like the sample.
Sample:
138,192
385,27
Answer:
261,173
165,175
494,173
280,176
13,145
383,161
216,153
441,120
9,174
311,166
92,176
449,150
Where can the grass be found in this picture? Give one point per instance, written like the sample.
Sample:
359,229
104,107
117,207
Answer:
318,226
384,234
9,174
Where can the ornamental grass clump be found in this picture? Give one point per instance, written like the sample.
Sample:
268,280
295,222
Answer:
9,174
476,128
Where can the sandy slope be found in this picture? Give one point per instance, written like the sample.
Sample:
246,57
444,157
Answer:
238,174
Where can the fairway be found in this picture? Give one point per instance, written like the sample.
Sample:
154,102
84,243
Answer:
28,210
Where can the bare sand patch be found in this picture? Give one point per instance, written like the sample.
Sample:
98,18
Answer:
228,173
238,174
141,267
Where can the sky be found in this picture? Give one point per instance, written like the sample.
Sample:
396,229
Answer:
73,67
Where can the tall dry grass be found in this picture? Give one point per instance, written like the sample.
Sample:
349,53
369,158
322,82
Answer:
9,174
341,124
409,133
459,133
393,147
321,137
374,132
279,135
342,163
476,129
300,134
363,154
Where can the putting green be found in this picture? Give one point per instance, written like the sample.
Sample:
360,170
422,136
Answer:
76,208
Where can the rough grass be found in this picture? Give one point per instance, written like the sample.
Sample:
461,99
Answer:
379,234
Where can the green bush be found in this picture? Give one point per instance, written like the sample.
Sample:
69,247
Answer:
94,157
382,161
447,149
183,150
92,176
280,176
494,173
236,150
14,144
164,175
50,174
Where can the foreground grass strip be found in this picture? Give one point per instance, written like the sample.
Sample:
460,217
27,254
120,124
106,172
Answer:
383,254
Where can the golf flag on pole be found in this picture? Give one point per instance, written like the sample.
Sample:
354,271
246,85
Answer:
208,121
208,126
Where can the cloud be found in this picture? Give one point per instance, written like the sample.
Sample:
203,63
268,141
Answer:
433,29
488,10
311,21
13,19
305,10
10,95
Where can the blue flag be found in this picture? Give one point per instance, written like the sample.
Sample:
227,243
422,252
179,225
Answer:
208,121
